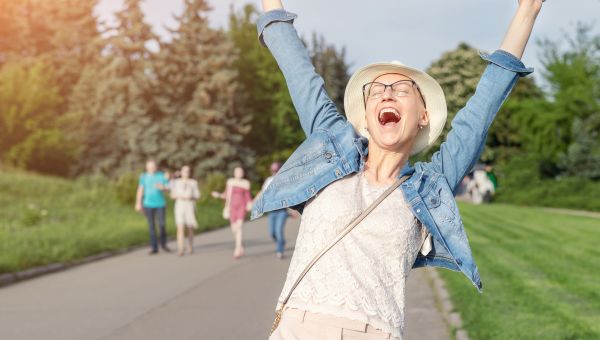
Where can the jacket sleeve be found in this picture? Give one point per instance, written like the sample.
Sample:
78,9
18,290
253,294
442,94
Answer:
469,128
307,88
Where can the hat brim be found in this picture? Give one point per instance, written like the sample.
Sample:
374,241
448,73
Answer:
432,92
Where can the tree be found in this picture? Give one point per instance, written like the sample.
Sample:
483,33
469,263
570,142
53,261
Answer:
30,124
574,78
196,85
332,66
75,41
113,100
262,93
458,72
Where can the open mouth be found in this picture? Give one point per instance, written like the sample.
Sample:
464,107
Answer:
388,117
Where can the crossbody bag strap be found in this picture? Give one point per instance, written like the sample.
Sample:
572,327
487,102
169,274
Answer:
344,232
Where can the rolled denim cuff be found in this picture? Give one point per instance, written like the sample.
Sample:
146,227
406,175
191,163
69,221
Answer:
507,61
267,18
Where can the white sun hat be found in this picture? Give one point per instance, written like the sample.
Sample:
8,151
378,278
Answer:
432,92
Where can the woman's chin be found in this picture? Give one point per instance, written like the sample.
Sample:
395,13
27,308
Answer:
391,143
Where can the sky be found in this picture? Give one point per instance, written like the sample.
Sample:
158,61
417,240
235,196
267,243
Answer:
411,31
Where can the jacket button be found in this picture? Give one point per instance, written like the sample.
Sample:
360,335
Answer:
418,210
328,155
459,262
338,173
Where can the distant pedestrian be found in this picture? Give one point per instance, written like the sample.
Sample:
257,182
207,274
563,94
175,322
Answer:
238,202
150,198
480,187
489,170
277,218
184,190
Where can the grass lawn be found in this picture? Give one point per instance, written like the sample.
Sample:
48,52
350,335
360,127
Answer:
46,220
540,273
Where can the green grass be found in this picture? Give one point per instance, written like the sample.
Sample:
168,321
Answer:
47,220
540,273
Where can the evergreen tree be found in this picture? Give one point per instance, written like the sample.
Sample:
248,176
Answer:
113,102
75,40
196,86
262,93
332,66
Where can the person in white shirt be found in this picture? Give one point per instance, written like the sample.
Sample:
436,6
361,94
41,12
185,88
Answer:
185,192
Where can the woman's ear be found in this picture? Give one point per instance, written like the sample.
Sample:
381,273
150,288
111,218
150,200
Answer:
424,118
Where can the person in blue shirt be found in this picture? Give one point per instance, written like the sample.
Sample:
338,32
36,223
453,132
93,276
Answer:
150,199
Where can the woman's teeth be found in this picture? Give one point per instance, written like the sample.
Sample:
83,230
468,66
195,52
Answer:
388,115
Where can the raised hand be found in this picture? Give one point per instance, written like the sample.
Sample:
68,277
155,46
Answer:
521,26
535,5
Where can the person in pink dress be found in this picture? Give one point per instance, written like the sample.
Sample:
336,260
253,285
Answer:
238,201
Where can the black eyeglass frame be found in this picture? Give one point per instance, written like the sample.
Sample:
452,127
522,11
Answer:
414,83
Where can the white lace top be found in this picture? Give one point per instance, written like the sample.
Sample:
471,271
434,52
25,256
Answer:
362,277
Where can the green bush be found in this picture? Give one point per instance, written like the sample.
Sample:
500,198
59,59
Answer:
520,183
44,151
215,181
125,187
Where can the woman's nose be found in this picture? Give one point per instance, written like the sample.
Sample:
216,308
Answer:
388,94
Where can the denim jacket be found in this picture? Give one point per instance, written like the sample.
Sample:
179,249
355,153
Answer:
333,149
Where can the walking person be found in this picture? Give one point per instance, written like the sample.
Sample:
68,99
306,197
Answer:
368,215
238,202
185,192
277,218
150,199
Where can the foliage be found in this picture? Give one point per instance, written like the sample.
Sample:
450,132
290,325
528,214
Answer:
521,181
195,89
62,33
113,100
582,157
331,64
30,122
45,151
125,187
539,274
263,93
554,128
458,72
215,181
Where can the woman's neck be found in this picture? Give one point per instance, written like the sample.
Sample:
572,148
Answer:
383,166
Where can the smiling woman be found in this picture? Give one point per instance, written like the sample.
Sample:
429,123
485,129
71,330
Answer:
369,216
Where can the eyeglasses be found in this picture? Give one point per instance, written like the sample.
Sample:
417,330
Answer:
401,88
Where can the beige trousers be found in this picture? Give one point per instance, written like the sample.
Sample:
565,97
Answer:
300,325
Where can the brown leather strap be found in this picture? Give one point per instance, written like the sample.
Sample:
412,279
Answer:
344,232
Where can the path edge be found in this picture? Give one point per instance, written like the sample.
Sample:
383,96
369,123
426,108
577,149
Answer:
445,305
8,279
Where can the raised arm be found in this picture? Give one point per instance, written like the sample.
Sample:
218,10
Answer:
270,5
307,89
465,141
520,27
